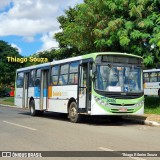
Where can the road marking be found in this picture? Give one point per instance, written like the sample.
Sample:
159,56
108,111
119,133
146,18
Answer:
105,149
33,129
108,149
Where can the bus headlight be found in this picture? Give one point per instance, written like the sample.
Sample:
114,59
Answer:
100,101
139,104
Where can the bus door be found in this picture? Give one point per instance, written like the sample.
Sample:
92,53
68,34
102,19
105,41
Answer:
44,89
84,87
25,90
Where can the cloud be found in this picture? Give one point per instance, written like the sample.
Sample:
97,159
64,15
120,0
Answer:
18,48
28,39
48,41
4,3
28,18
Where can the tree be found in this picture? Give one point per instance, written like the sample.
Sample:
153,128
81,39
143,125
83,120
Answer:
7,68
113,25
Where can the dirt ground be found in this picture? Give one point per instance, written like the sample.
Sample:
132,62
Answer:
152,117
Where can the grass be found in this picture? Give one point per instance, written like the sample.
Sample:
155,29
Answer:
7,101
152,105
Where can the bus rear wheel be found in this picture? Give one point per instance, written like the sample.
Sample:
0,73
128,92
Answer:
73,115
33,112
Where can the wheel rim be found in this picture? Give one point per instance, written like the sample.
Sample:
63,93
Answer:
32,110
73,112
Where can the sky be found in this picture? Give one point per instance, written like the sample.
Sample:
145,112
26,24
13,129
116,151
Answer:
30,25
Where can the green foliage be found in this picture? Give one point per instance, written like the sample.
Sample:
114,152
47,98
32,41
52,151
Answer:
7,101
113,25
7,69
152,105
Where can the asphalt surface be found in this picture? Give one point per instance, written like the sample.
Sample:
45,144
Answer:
53,132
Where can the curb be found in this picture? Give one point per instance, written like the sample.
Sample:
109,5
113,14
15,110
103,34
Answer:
146,122
151,123
7,105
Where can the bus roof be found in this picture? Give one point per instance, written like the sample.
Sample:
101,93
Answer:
151,70
91,55
94,55
67,60
34,66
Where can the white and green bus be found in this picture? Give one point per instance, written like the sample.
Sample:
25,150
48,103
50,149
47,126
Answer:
151,82
105,83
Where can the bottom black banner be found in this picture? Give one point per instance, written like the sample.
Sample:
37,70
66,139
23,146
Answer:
39,154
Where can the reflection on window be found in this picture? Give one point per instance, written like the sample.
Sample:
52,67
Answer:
64,69
74,67
158,76
54,78
55,70
32,78
63,78
73,73
153,77
73,78
118,79
146,77
38,73
20,80
37,80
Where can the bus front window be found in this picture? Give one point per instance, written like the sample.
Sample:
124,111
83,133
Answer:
118,79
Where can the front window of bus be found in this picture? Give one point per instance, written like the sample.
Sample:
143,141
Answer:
117,78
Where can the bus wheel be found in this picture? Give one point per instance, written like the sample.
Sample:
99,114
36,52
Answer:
73,115
33,112
159,92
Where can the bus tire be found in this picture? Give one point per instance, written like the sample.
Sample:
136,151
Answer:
73,115
159,92
33,112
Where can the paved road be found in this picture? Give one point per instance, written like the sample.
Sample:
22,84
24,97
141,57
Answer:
52,132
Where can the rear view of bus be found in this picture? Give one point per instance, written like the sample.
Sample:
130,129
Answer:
151,82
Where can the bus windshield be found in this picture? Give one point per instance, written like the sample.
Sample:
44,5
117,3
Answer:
112,78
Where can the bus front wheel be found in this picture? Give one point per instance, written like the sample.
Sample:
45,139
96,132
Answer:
73,115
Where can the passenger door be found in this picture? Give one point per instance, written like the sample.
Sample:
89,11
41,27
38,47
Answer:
44,89
84,87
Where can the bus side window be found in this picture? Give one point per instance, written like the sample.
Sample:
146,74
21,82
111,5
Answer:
32,78
54,75
20,80
146,77
37,79
63,78
158,74
153,77
73,73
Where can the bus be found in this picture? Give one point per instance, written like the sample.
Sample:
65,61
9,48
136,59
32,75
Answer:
104,83
151,82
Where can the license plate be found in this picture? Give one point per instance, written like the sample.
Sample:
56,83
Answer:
122,109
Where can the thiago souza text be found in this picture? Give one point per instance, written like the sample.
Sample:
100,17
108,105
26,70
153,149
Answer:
26,59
